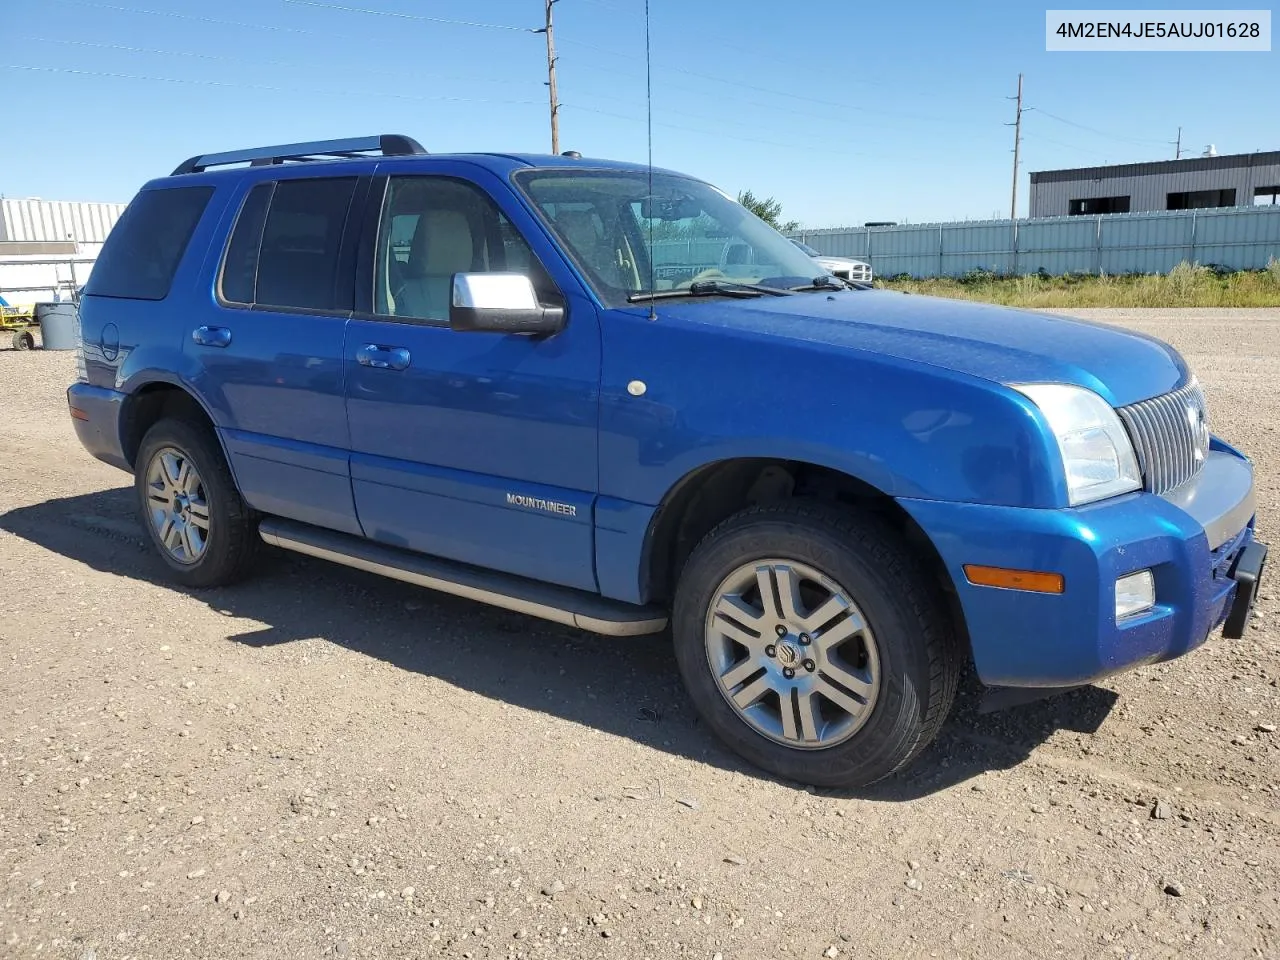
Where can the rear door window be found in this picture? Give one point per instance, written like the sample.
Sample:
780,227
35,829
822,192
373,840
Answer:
146,245
284,251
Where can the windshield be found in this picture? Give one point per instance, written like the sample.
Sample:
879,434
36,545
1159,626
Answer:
629,240
806,248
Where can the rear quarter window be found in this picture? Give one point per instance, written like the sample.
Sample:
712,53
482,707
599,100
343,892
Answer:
146,245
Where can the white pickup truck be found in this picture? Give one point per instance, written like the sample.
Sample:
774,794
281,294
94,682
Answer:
845,267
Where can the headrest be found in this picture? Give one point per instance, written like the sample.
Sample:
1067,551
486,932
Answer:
441,245
579,228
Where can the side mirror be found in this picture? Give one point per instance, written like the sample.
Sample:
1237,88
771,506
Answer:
500,303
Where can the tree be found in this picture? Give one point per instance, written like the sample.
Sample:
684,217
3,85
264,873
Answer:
769,210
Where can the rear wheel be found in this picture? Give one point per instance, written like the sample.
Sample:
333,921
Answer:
204,532
814,644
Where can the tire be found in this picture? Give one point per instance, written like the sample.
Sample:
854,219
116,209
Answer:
180,474
902,667
23,340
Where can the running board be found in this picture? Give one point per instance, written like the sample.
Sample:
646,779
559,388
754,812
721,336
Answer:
573,608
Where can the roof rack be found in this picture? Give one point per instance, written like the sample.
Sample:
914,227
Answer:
388,145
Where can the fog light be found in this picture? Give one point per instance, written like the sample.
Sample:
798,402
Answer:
1135,594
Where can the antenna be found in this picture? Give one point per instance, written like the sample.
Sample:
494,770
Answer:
648,93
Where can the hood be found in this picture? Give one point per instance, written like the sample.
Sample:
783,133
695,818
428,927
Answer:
995,343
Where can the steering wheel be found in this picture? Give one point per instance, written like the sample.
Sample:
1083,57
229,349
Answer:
713,273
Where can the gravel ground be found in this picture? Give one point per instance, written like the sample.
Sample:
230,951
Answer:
321,763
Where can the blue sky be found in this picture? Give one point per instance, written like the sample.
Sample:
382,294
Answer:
844,111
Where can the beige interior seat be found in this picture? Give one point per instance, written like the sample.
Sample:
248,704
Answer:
442,246
579,230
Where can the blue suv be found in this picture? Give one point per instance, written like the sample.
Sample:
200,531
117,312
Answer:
608,396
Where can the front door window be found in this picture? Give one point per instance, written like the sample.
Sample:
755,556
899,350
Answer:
434,227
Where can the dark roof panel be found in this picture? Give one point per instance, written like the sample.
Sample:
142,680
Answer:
1156,167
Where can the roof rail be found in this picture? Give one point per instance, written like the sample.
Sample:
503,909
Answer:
388,144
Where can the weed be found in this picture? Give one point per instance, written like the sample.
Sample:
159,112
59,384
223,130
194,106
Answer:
1186,285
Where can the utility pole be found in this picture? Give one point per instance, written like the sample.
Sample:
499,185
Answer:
1017,144
549,30
1177,149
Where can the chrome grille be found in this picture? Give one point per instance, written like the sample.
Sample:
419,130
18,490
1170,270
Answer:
1170,434
859,274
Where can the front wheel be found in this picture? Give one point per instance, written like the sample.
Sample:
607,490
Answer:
814,644
204,532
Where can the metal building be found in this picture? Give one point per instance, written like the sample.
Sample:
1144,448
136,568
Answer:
54,221
48,248
1197,183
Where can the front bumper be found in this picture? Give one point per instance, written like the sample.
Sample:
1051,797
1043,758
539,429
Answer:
1197,541
96,411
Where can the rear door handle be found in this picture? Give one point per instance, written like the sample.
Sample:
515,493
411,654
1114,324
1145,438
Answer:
384,358
211,336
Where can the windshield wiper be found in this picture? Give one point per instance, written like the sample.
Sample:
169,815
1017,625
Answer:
829,281
712,288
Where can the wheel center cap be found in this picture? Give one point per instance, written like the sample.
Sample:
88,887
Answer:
787,655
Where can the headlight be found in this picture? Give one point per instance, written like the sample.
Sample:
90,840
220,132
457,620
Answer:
1096,450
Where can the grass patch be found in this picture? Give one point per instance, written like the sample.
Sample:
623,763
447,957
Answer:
1187,285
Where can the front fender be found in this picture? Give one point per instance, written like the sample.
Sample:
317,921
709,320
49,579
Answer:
906,428
677,399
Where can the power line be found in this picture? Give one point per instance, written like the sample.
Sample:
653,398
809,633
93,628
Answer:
703,118
252,61
553,60
296,64
702,130
631,102
256,86
668,85
1041,138
185,16
792,111
1094,130
715,41
363,94
409,16
321,4
614,7
844,106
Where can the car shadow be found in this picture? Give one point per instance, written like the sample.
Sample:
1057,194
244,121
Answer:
624,686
